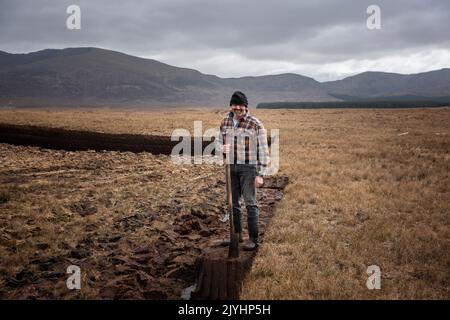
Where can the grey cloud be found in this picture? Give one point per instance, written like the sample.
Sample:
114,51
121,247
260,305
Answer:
297,32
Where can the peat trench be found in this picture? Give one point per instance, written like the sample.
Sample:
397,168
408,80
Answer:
77,140
220,277
217,276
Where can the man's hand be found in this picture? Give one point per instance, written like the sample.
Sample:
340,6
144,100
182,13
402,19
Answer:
226,148
259,181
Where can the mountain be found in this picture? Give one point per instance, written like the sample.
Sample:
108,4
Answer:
381,84
91,74
98,76
94,76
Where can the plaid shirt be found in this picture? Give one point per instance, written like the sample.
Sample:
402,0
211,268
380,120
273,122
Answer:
249,144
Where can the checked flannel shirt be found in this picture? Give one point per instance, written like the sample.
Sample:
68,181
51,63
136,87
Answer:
249,143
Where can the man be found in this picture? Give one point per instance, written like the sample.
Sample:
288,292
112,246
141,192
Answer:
244,143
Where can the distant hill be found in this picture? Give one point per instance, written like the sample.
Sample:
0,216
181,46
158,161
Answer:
93,76
98,76
381,84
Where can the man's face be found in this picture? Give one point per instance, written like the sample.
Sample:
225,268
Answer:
238,110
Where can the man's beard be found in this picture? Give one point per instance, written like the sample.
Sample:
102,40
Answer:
238,113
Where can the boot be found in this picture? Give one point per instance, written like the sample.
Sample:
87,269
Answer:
250,245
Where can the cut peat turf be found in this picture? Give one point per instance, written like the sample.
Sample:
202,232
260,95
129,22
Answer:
76,140
137,225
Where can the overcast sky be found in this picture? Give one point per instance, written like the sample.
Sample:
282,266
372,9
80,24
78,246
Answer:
322,39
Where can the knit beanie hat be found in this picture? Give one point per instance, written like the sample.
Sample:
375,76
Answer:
238,98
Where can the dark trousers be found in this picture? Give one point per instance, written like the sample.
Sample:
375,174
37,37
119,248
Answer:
243,183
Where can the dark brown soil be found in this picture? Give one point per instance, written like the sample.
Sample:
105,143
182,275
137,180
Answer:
76,140
136,223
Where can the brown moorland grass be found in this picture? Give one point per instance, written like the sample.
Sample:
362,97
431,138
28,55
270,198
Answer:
367,187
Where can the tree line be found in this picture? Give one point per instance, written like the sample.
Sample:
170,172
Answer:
369,104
